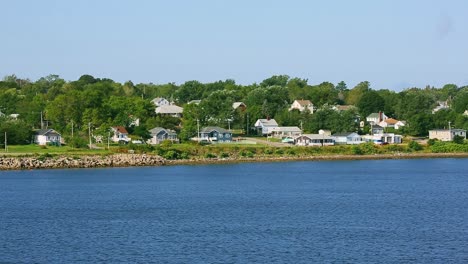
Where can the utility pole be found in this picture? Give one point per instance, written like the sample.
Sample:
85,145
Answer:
89,133
6,148
198,130
108,139
42,122
72,128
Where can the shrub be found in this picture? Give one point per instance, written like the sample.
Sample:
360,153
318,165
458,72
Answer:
171,155
247,153
414,146
458,139
268,151
291,151
210,155
431,142
224,155
279,152
357,150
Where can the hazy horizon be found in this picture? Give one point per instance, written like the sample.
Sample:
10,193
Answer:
392,44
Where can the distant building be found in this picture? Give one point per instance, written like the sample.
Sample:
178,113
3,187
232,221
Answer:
392,123
376,129
265,125
376,118
314,140
47,137
281,132
341,108
383,138
120,134
215,135
159,101
441,105
170,110
446,134
239,105
302,105
347,138
159,134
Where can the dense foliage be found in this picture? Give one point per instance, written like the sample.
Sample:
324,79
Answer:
101,103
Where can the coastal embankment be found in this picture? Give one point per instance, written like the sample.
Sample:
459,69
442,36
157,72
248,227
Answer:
130,160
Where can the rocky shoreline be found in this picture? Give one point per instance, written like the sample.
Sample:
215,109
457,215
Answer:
134,160
96,161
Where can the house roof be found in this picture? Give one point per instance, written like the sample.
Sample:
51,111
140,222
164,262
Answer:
268,122
157,130
373,115
287,129
304,102
169,109
315,136
446,130
377,126
236,105
120,129
391,121
343,134
344,107
194,102
214,128
43,132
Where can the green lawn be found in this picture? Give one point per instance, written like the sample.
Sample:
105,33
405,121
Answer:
35,149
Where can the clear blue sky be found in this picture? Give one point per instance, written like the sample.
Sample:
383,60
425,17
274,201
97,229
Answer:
393,44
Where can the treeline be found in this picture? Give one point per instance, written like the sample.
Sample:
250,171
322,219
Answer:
101,103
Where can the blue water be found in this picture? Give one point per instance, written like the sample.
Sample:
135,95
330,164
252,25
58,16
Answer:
379,211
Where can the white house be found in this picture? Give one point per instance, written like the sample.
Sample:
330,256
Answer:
266,125
302,105
347,138
440,106
281,132
383,138
316,140
159,134
376,118
159,101
446,134
47,137
376,129
170,110
120,134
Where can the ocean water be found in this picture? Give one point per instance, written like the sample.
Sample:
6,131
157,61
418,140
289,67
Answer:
377,211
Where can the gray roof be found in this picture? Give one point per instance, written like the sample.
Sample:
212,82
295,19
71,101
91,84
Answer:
373,115
169,109
214,128
268,122
343,134
43,132
287,129
157,130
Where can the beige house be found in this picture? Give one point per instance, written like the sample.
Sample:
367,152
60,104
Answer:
446,134
302,105
281,132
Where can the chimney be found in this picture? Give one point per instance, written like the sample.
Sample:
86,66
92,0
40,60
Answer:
380,116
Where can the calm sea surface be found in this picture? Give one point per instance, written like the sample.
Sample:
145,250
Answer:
378,211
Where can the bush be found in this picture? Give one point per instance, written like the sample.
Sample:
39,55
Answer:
458,139
414,146
431,142
77,142
291,151
210,155
247,153
224,155
279,152
357,150
171,155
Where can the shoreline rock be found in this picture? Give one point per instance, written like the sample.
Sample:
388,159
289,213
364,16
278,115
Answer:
135,160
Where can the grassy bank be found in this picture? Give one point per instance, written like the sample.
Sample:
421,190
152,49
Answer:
193,151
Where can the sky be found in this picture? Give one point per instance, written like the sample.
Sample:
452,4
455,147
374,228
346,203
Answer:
393,44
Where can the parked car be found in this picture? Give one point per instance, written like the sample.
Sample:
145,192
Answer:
288,140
